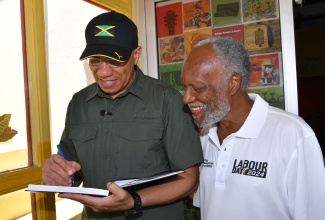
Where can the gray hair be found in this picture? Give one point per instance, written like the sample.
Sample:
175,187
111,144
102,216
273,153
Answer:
233,55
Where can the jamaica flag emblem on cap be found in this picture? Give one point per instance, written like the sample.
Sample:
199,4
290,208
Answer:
105,31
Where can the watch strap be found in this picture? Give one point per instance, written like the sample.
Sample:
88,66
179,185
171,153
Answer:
137,209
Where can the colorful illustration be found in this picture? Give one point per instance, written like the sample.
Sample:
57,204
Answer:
183,23
236,32
196,14
169,20
193,37
171,49
266,70
171,74
257,10
226,13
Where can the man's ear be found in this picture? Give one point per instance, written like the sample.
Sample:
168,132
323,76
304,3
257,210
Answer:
137,54
234,83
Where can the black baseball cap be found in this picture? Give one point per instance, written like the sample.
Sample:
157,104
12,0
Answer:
112,35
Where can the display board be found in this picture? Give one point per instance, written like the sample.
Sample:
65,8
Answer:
183,23
264,27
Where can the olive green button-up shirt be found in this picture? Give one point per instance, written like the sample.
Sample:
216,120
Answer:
147,130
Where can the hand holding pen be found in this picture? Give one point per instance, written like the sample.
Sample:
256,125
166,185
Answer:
62,155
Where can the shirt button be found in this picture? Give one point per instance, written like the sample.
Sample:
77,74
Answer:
107,130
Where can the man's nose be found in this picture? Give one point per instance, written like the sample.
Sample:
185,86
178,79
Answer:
188,97
105,70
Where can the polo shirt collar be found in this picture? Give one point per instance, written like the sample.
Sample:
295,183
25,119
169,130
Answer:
255,120
253,123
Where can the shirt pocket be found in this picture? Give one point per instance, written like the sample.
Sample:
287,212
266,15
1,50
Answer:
141,150
84,139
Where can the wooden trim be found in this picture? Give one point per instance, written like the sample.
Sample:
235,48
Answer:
122,6
38,99
38,82
26,90
19,179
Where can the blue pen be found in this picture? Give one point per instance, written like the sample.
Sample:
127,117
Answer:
62,155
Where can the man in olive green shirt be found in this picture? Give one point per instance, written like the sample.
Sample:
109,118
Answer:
126,125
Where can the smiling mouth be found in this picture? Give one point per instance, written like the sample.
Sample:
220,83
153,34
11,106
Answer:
107,83
197,108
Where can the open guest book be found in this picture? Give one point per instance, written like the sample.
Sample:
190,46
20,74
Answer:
93,191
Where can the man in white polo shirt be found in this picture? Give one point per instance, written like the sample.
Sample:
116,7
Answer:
260,162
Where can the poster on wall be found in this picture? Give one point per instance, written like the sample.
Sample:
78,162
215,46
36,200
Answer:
258,10
256,23
266,70
236,32
169,19
226,13
171,49
193,37
171,74
197,14
267,78
263,37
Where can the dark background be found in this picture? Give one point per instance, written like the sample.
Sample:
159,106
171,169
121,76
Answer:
309,24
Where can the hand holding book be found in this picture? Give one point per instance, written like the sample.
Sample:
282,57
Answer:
93,191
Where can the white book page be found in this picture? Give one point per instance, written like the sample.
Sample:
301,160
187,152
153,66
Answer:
67,189
94,191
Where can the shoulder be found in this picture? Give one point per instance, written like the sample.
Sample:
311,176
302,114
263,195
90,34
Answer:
287,121
86,93
157,86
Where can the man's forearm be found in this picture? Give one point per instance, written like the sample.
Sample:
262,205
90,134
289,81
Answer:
172,189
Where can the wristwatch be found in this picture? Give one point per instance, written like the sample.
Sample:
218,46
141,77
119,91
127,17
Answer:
137,209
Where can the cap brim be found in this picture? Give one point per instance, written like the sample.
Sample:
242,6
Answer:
118,53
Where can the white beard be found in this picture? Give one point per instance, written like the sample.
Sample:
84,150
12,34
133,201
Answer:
221,109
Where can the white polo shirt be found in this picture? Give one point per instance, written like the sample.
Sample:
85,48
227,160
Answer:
271,169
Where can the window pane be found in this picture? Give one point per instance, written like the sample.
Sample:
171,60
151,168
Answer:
13,152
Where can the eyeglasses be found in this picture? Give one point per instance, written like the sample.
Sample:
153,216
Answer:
96,62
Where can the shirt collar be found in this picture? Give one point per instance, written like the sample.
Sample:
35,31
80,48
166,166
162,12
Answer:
92,92
256,118
253,123
138,87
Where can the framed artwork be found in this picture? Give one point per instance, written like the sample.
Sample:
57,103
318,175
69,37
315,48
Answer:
264,27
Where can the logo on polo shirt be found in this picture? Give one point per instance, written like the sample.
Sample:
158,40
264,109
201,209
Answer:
206,163
250,168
